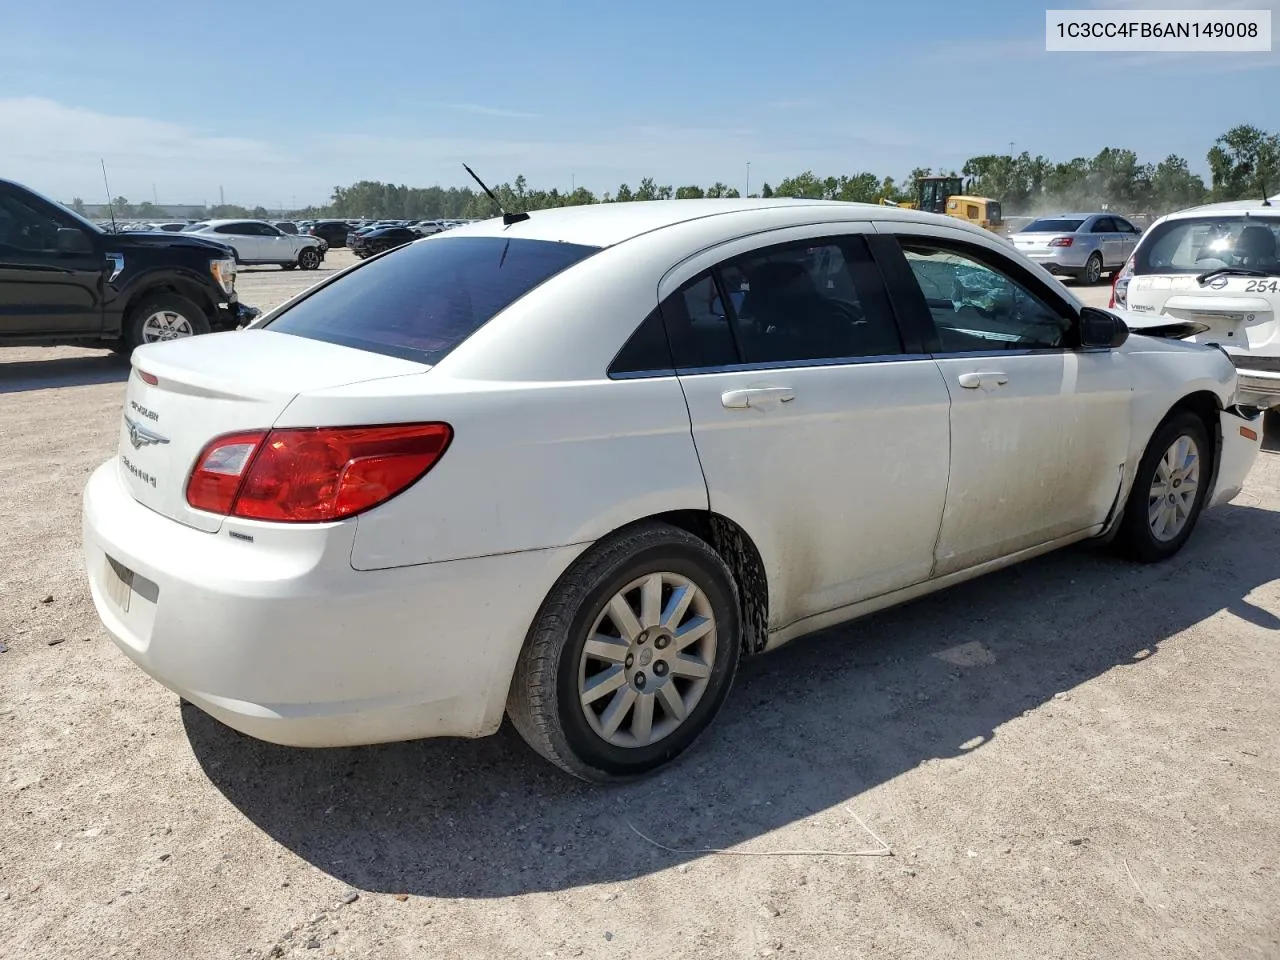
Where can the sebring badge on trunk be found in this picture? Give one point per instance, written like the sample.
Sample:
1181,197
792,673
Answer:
140,436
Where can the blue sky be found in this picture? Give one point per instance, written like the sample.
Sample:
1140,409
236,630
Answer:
277,102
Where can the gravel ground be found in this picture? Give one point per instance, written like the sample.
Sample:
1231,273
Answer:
1073,758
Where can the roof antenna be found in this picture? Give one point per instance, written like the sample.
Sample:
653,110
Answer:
507,218
111,207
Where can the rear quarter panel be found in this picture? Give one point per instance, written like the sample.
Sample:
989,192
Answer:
531,465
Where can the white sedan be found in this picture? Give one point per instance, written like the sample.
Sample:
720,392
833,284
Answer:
571,467
258,243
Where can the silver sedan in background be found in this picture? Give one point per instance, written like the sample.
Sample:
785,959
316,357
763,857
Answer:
1079,245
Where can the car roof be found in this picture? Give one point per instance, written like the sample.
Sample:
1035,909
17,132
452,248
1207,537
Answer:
1229,207
606,224
218,223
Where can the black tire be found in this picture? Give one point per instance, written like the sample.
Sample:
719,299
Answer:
309,258
543,702
1092,273
1135,539
186,309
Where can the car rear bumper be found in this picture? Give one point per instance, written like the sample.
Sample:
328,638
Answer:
1067,260
282,640
1257,388
1241,441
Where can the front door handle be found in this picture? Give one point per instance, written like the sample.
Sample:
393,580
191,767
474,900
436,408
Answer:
972,381
756,397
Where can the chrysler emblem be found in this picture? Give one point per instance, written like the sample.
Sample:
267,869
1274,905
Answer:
140,436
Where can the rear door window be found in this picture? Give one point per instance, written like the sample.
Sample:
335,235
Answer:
422,300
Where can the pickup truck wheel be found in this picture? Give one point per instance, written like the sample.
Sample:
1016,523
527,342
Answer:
165,316
309,258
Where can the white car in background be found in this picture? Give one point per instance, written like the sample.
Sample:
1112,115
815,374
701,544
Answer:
1217,266
259,243
570,466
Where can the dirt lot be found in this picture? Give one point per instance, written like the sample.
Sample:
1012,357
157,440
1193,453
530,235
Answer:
1074,758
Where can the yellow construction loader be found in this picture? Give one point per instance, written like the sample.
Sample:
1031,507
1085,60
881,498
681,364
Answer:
946,195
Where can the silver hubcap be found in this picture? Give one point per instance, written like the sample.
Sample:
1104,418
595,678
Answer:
1174,489
165,325
308,259
647,660
1094,270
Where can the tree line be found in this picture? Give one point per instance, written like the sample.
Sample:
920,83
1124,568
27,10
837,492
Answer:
1243,162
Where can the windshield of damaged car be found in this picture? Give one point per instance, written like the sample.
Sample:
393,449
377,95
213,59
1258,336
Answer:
1052,226
1197,244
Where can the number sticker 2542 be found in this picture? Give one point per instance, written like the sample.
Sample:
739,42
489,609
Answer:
1262,286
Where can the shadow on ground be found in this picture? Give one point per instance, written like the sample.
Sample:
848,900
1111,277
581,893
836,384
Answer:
806,728
23,375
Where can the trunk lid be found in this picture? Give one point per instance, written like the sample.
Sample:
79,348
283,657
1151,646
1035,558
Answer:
1026,242
1237,312
217,384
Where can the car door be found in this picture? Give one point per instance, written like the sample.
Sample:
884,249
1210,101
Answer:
817,430
48,284
275,245
1109,241
1039,428
1128,235
235,236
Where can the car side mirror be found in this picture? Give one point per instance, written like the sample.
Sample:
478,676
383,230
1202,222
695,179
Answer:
71,240
1099,328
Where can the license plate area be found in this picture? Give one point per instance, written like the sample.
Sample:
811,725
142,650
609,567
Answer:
118,584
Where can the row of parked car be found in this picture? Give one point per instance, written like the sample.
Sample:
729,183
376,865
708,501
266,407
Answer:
1215,267
340,233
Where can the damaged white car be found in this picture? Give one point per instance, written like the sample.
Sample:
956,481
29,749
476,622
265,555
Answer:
571,466
1216,267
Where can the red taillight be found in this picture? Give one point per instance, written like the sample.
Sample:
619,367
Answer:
147,377
1120,285
220,469
1061,242
311,475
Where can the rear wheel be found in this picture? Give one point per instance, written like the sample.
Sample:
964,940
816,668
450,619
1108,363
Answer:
309,258
1092,269
165,316
1169,490
630,657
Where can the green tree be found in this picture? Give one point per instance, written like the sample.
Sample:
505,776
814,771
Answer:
766,191
1174,186
690,193
1244,162
78,205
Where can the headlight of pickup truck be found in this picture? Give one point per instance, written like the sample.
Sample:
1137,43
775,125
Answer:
224,274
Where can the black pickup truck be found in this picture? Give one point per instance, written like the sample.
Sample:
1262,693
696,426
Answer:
63,280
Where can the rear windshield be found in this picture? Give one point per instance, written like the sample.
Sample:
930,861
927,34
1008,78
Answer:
1052,226
1197,244
422,300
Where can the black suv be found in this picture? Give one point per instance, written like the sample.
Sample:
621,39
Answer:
332,232
64,280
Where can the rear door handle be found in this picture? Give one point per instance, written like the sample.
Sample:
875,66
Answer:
756,397
972,381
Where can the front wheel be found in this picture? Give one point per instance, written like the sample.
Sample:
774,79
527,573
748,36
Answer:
1169,490
309,258
165,316
631,656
